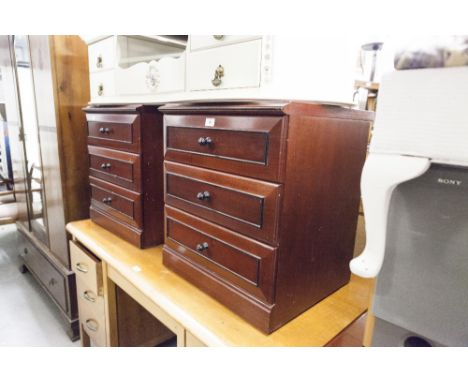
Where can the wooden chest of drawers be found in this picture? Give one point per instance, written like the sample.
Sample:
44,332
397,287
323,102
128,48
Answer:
125,149
262,202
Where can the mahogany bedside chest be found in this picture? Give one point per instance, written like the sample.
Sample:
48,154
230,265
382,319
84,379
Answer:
262,202
125,148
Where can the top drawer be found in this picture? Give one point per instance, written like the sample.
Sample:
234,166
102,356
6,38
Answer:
117,131
87,267
102,54
250,146
211,41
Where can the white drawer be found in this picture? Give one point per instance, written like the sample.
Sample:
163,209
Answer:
162,76
211,41
87,268
92,314
102,54
102,84
240,63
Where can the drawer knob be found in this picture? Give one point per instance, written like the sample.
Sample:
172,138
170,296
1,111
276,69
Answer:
203,141
202,247
104,130
100,90
205,195
218,36
107,200
92,324
106,166
88,295
82,268
99,61
52,282
219,73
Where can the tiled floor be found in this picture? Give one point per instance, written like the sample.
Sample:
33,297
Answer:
27,315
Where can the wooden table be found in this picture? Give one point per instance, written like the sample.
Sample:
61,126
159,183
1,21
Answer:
196,318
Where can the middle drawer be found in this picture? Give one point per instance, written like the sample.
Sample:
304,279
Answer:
118,167
244,205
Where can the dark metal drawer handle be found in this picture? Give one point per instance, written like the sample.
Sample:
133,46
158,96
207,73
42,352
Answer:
205,195
218,36
203,141
107,200
82,268
99,61
92,325
202,247
104,130
106,166
52,282
88,295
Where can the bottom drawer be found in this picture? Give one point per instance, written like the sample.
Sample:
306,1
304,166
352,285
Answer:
46,273
129,233
92,314
238,260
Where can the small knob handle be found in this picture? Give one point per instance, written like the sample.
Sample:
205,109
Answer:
102,130
202,247
100,90
203,141
219,73
99,61
218,36
107,130
52,282
106,166
203,195
107,200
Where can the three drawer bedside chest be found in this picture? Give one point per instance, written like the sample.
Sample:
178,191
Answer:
262,202
125,148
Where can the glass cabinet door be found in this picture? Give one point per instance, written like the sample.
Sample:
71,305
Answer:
30,134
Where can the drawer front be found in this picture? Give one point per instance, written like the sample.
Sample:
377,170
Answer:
250,146
117,167
54,281
92,314
116,201
116,131
102,84
102,55
240,261
245,205
211,41
227,67
87,267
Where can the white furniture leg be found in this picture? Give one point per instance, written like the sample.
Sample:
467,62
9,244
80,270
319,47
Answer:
380,176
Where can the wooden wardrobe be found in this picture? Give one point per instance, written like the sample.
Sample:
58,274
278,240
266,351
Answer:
49,85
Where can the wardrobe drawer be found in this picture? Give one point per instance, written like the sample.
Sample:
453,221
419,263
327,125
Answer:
102,54
211,41
102,84
251,146
54,281
245,263
116,201
227,67
87,267
245,205
117,131
117,167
